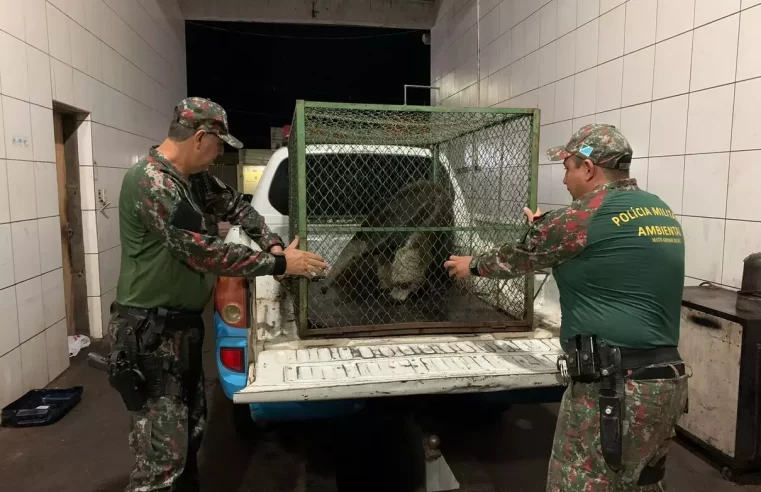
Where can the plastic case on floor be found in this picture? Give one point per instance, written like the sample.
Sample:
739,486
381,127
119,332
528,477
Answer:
41,407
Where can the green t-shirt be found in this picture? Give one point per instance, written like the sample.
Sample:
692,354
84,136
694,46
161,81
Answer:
168,258
618,258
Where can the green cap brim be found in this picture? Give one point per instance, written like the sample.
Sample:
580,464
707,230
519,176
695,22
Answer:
558,153
232,141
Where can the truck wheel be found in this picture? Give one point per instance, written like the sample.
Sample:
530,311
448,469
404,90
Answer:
245,426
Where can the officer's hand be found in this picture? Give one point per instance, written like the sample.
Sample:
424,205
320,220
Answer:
531,215
303,263
458,266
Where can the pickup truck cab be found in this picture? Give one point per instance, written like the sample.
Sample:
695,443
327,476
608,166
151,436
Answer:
270,373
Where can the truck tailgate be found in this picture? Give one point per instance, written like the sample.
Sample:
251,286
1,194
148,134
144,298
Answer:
365,371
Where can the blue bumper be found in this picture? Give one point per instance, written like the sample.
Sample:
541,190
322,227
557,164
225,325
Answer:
232,382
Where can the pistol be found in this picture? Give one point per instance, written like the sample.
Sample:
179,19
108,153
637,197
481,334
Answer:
98,362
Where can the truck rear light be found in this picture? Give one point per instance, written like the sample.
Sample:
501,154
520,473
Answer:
230,301
232,358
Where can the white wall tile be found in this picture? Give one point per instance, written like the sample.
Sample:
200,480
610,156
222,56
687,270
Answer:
586,36
51,249
640,24
567,10
18,129
547,64
668,131
502,79
588,10
11,377
13,66
30,317
40,87
53,306
635,125
6,257
505,43
58,349
34,363
87,187
674,17
62,77
5,208
21,192
109,268
742,239
544,187
26,250
750,3
549,23
46,189
638,77
12,18
519,41
609,85
749,54
666,180
36,23
531,72
564,99
607,5
566,56
672,66
533,33
709,123
91,16
714,53
90,231
9,335
704,243
546,103
490,27
559,192
2,131
95,317
640,170
705,179
744,202
709,10
71,8
92,270
746,132
105,302
58,34
579,123
42,133
108,229
609,118
585,93
611,38
517,78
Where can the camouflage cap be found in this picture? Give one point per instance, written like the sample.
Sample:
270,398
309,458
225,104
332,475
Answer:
202,114
603,144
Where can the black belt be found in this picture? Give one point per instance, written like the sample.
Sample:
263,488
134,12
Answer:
644,364
170,315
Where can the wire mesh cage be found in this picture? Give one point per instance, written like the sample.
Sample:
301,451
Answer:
387,193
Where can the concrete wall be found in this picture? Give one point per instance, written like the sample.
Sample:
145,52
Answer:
122,64
408,14
682,78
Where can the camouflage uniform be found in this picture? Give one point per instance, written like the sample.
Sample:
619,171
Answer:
618,256
169,260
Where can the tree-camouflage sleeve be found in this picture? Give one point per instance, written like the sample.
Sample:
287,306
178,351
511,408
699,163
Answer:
555,237
226,204
179,227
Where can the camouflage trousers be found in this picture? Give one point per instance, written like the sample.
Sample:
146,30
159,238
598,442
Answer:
651,410
166,433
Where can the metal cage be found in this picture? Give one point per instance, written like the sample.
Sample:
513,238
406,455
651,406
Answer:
387,193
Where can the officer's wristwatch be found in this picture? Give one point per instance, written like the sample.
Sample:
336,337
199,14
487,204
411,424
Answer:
474,267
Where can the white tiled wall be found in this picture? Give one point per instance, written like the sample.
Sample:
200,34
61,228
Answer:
121,63
681,78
